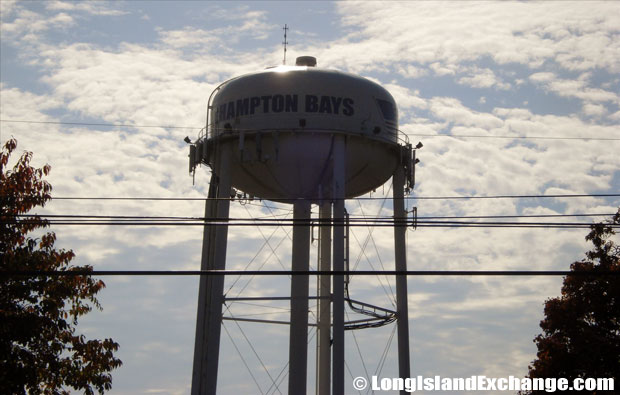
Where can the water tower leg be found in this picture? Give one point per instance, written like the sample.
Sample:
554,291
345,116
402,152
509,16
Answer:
210,295
298,340
208,239
400,250
338,256
323,357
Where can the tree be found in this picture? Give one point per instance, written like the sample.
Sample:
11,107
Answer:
40,350
581,328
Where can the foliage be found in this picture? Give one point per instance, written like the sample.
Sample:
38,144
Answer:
581,328
40,351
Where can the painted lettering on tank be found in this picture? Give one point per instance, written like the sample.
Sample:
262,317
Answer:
287,103
278,103
291,103
254,103
312,103
336,104
326,105
243,107
347,103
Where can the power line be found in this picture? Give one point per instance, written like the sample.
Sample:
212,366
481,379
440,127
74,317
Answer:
360,223
477,136
112,125
513,196
482,136
273,217
483,221
291,200
519,273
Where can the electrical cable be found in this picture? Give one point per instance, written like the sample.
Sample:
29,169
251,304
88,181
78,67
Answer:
129,125
362,218
482,136
112,125
376,223
518,273
555,196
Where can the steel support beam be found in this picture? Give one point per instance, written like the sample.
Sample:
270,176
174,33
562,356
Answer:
338,194
298,339
210,293
323,357
400,251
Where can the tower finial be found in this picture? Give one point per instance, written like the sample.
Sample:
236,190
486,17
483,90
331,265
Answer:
285,28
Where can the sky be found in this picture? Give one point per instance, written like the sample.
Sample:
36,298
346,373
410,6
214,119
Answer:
508,98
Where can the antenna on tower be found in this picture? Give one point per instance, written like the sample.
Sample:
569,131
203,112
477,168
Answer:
285,28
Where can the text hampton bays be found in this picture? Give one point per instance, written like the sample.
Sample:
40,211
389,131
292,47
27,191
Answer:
285,103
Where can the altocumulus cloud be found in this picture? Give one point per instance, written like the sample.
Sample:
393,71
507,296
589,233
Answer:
491,70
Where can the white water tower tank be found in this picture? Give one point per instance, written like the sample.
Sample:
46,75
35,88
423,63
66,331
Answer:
279,126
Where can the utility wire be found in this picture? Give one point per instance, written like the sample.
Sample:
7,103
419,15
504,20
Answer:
112,125
476,136
476,273
361,223
482,136
292,200
271,217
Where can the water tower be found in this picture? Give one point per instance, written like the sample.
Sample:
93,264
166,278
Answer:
305,136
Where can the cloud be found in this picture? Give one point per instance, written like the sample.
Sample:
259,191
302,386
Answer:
452,110
91,7
248,25
6,8
243,24
434,58
440,69
456,32
596,110
483,78
21,24
577,88
188,37
146,86
411,71
406,98
28,26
